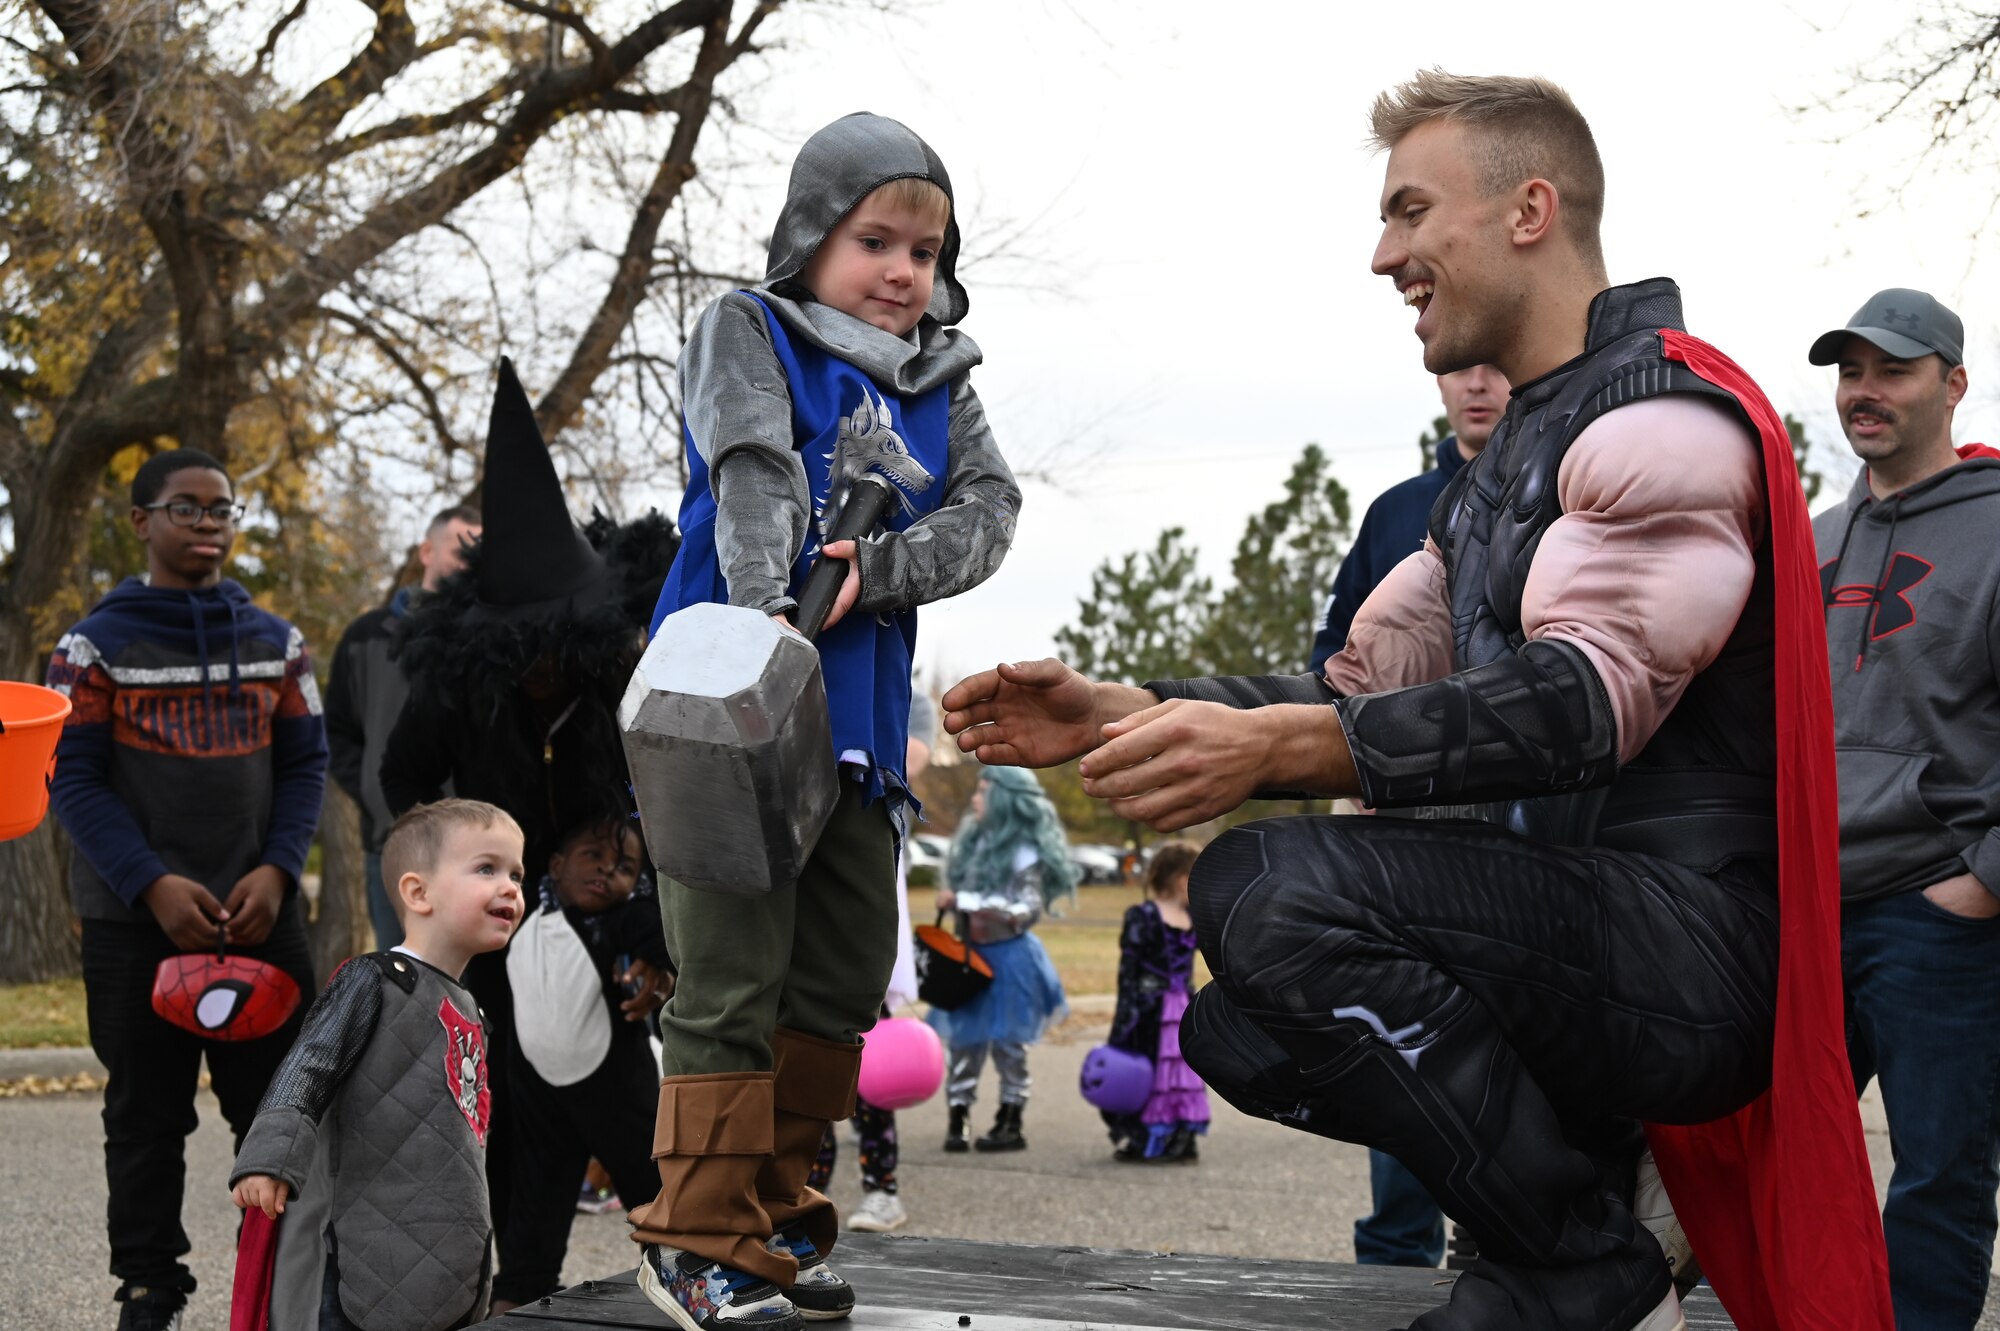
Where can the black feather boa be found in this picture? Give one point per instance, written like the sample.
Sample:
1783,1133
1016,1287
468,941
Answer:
465,657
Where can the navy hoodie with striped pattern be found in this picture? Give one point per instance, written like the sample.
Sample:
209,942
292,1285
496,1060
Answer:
194,746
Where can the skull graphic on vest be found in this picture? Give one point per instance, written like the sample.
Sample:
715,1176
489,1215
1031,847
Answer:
465,1067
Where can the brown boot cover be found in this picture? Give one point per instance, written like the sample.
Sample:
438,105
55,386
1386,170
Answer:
813,1085
711,1138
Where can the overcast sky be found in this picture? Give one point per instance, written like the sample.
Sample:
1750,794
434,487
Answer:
1213,211
1207,212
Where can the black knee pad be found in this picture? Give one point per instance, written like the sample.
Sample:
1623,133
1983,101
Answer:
1231,865
1245,1066
1263,893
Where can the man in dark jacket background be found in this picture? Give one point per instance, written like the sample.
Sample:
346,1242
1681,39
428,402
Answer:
1406,1227
1393,526
365,695
1911,577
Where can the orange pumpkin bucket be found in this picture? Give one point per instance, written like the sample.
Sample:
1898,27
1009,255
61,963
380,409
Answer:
31,720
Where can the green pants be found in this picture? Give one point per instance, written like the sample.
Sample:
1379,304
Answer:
813,957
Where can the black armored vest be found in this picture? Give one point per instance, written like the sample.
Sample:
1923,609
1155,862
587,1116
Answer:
1534,714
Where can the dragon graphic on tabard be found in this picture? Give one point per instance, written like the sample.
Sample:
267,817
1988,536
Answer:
868,442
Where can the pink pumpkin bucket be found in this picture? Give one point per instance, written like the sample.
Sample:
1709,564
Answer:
31,721
902,1063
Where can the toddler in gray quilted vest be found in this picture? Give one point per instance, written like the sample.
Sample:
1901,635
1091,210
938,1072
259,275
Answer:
363,1178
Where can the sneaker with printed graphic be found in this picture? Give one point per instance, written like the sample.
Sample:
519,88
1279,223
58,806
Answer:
819,1293
704,1295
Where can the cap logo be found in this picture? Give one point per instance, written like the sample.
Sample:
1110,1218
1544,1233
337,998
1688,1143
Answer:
1894,316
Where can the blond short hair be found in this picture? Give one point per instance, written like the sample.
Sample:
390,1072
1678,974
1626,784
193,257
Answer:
1527,128
926,198
418,837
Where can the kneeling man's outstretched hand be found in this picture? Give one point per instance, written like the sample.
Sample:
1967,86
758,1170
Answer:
1179,763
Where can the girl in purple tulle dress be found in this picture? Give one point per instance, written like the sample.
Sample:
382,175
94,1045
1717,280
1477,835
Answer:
1155,981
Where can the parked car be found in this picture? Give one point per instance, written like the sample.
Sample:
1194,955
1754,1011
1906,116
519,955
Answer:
1097,864
928,852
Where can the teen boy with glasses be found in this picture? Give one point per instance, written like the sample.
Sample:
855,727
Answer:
189,775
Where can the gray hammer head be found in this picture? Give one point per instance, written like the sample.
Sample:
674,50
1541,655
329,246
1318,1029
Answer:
731,750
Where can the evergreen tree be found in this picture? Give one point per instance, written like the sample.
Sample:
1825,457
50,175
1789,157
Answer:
1145,615
1428,441
1809,476
1283,566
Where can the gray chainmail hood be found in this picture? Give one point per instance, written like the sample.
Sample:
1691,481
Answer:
838,168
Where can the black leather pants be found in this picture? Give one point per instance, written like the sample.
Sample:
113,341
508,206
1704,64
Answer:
1494,1012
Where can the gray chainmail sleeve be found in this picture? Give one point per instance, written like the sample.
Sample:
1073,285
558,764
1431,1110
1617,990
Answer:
961,544
738,409
283,1139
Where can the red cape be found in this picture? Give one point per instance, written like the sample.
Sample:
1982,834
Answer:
1777,1198
256,1262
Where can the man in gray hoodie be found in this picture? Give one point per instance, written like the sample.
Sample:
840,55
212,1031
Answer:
1911,576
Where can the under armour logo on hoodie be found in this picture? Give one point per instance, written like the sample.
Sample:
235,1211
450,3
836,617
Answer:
1890,598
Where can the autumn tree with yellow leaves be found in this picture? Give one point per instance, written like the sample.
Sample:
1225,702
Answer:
204,246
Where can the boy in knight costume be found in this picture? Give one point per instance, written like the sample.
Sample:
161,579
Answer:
1606,672
371,1142
843,361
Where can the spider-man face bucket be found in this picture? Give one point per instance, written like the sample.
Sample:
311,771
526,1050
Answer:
220,997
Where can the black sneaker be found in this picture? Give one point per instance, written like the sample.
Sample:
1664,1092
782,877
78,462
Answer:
151,1307
704,1295
819,1294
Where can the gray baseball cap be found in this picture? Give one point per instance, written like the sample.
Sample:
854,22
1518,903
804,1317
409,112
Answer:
1907,324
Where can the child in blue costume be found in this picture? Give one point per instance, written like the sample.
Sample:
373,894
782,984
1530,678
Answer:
1009,863
843,361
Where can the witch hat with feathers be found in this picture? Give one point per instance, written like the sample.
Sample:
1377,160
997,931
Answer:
535,586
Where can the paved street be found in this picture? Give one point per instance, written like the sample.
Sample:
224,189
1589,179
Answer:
1259,1189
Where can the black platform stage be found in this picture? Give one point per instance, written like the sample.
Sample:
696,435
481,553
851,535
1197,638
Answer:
920,1284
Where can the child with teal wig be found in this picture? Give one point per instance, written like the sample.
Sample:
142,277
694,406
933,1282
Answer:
1009,863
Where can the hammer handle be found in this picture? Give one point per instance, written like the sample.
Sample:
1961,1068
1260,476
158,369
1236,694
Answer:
866,503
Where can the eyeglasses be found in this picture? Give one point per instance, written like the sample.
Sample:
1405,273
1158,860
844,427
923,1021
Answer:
185,512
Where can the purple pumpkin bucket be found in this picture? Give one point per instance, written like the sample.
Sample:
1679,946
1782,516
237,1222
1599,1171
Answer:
1117,1081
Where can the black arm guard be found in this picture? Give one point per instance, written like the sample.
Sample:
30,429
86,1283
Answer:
1533,723
1244,692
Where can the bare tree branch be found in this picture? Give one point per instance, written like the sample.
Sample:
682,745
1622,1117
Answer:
426,204
565,16
270,45
390,49
628,285
394,354
467,112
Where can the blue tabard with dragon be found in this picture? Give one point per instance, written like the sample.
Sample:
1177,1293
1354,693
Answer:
843,425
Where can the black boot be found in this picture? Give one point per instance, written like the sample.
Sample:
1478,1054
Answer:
954,1133
1006,1134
